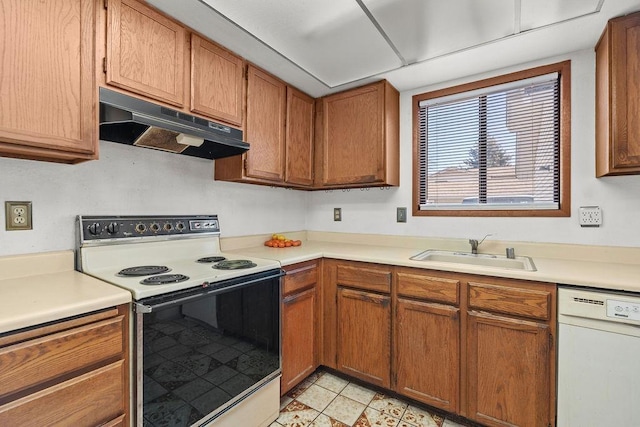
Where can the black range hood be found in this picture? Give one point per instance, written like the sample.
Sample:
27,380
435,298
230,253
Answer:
132,121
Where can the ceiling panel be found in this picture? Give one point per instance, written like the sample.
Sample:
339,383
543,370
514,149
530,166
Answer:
332,39
539,13
325,46
423,29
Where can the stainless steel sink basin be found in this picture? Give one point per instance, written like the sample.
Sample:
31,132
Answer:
496,261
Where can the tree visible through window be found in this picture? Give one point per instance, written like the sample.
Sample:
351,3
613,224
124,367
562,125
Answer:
496,147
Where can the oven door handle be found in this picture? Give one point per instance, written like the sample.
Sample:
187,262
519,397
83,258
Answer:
148,308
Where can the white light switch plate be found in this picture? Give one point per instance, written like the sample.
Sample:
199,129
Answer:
590,216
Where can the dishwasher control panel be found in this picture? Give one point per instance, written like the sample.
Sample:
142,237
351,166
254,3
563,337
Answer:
618,309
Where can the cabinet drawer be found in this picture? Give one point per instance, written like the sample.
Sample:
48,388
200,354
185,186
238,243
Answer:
91,399
368,278
300,276
46,358
510,300
427,287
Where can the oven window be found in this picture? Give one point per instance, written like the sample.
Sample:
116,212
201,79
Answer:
201,356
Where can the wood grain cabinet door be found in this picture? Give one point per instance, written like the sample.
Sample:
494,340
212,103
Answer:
618,97
428,353
353,137
508,371
266,109
364,336
145,52
217,83
298,338
48,108
299,138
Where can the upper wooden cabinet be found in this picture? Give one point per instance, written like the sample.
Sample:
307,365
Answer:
266,110
618,97
358,142
279,129
145,51
217,81
48,108
299,138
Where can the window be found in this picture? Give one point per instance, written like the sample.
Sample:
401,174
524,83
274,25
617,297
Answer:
497,147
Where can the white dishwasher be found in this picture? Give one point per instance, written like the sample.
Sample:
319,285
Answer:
598,358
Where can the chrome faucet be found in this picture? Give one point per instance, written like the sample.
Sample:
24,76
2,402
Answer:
474,244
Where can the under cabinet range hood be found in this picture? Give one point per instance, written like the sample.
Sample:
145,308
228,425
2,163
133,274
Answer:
132,121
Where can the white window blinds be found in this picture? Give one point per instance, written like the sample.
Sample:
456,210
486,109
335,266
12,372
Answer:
496,148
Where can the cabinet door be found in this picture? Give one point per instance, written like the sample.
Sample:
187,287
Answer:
266,109
145,52
298,338
364,336
508,371
299,137
428,353
48,108
353,136
618,97
217,84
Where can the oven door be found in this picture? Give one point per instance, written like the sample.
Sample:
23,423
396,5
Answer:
199,352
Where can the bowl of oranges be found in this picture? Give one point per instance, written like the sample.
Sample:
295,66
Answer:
281,241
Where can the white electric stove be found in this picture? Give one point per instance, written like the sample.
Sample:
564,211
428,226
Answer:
207,324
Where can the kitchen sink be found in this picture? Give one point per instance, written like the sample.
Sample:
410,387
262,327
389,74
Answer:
486,260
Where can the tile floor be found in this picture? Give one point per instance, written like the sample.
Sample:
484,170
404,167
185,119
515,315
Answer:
324,399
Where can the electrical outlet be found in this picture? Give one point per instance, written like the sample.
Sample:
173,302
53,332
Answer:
590,216
337,214
17,216
401,215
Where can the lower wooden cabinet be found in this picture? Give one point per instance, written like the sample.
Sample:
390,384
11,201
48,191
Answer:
477,346
364,335
299,324
510,367
508,363
356,322
427,353
74,372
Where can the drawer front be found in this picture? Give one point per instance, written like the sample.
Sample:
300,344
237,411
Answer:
43,359
368,278
510,300
300,276
91,399
427,287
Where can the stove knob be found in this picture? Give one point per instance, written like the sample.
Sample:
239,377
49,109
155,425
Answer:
180,226
168,226
155,227
113,228
94,229
141,228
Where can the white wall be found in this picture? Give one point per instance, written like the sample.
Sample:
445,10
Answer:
129,180
374,211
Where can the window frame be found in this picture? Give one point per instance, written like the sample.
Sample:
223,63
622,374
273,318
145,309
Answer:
564,210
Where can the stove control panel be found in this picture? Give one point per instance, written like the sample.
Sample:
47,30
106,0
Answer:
112,228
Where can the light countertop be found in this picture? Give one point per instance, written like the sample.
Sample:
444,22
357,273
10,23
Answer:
596,269
44,287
